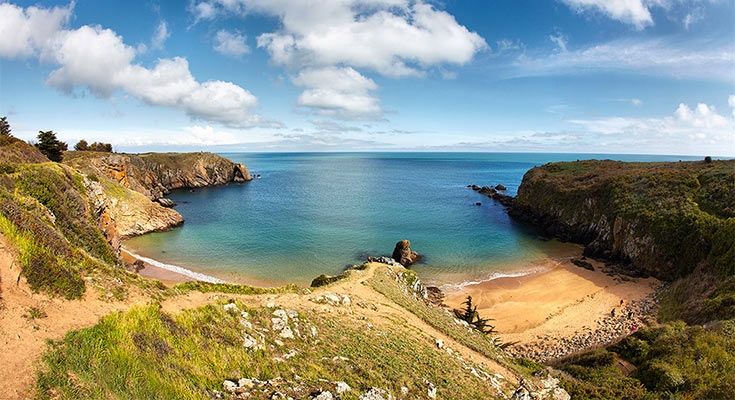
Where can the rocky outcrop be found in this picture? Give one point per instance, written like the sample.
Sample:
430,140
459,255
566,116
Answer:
122,213
661,219
403,254
156,174
494,194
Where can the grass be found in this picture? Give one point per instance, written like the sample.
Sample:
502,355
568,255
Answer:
383,282
147,354
674,361
207,287
34,313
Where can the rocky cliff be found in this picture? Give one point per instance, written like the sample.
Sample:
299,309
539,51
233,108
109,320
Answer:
664,218
155,174
668,220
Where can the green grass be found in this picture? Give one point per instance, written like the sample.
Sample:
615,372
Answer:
384,283
147,354
207,287
673,361
34,313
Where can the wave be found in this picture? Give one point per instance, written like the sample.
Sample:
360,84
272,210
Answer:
454,287
175,268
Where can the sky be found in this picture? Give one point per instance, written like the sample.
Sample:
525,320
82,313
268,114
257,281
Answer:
568,76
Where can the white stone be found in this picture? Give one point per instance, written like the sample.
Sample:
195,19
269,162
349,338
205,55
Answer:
230,307
324,396
404,390
245,383
286,333
376,394
281,314
270,304
278,323
249,341
229,386
341,387
439,343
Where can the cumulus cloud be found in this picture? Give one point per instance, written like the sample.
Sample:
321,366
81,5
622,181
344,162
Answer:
338,92
636,102
691,59
692,129
731,103
394,38
634,12
160,35
230,43
97,59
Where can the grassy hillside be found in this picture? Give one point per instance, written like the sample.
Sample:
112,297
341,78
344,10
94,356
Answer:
666,219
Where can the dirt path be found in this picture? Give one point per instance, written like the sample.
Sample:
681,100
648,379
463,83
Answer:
22,339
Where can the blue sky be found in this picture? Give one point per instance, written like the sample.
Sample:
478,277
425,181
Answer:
593,76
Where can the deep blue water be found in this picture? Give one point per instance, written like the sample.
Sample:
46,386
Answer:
314,213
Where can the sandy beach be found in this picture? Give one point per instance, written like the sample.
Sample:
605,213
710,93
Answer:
563,308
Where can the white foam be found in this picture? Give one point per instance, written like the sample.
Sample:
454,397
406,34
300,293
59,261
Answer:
175,268
454,287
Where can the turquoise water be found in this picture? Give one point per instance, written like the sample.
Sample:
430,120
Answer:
314,213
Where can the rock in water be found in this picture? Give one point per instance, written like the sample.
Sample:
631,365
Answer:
166,202
403,254
500,187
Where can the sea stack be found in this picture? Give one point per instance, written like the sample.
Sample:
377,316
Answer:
403,254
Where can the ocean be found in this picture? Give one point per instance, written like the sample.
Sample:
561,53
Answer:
315,213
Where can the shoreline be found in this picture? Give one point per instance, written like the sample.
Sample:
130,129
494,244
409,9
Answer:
167,273
553,313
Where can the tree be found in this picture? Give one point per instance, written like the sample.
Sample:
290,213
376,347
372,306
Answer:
50,146
708,160
81,145
4,127
470,315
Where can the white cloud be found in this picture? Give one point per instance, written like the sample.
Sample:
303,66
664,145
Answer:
230,43
634,12
731,100
697,130
160,35
395,38
338,92
636,102
672,58
97,59
559,40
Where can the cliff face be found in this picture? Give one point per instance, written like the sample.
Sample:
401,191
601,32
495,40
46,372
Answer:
665,219
155,174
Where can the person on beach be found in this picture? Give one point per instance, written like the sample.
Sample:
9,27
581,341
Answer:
612,312
622,302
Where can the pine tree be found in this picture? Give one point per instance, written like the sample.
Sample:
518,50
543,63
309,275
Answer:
51,147
470,315
4,127
81,145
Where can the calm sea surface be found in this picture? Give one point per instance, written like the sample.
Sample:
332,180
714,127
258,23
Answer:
314,213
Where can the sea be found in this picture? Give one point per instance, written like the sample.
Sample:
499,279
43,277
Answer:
308,214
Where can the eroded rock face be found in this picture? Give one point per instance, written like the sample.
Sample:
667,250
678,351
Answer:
403,254
156,174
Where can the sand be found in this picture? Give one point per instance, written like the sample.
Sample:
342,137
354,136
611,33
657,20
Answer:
552,304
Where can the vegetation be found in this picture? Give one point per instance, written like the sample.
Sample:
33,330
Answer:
50,146
35,313
384,283
323,279
146,354
686,210
207,287
671,361
470,315
5,127
82,145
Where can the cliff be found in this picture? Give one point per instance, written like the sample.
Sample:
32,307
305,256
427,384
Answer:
156,174
66,219
668,220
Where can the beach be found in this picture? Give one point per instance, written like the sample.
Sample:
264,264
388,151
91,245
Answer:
560,310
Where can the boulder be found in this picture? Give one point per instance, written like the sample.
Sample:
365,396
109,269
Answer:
486,190
500,187
581,263
403,254
166,202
